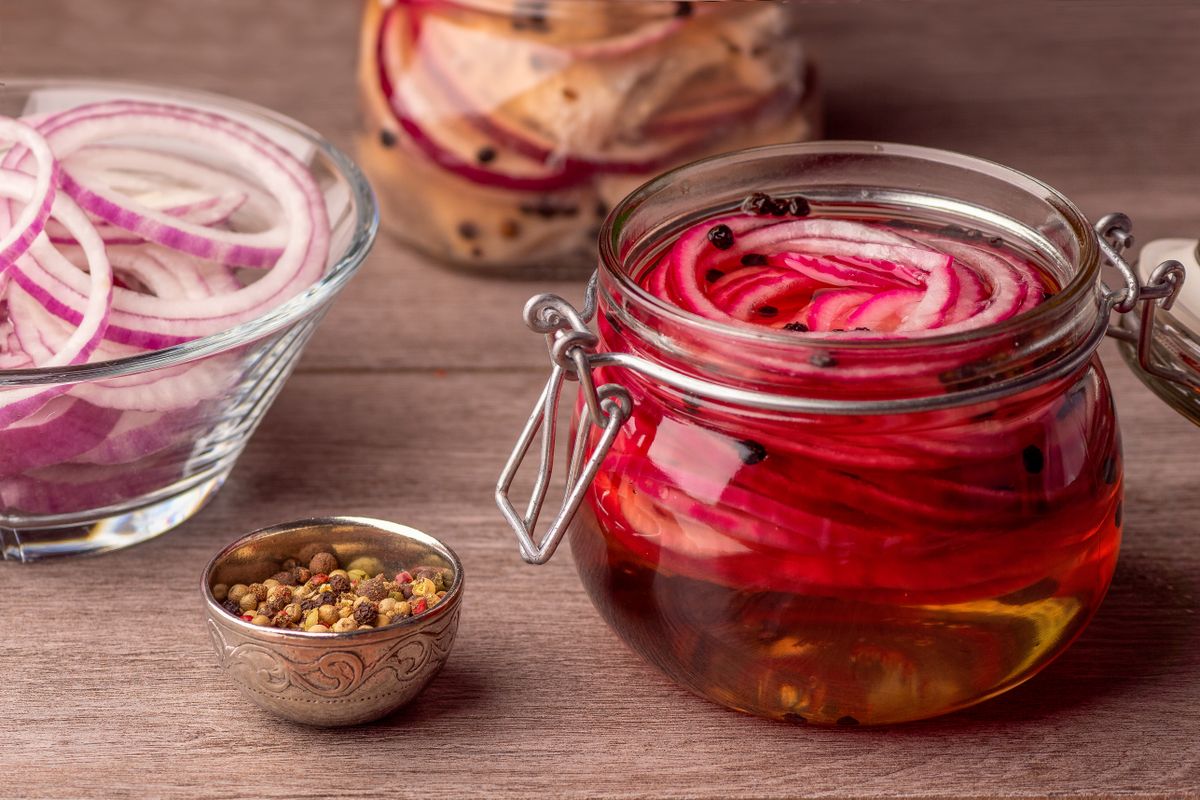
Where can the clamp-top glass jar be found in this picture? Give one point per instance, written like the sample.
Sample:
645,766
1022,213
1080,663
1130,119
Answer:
498,134
840,529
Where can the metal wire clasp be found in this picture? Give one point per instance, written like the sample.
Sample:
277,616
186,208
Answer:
571,344
1115,235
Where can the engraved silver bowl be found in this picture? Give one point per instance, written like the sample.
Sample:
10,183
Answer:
332,678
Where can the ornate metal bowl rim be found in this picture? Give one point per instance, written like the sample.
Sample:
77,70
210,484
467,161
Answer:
445,606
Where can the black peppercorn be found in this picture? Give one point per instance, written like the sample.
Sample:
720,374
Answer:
751,452
754,260
285,578
340,584
486,155
1034,459
798,327
316,601
366,613
387,138
721,237
713,275
763,204
233,607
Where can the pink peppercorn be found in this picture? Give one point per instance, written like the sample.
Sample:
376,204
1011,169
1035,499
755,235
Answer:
419,606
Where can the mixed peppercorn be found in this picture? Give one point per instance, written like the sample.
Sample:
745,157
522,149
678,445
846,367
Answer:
322,597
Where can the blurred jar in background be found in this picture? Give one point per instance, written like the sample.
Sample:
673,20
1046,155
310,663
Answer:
498,134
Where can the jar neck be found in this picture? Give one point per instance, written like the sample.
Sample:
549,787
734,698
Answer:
1050,343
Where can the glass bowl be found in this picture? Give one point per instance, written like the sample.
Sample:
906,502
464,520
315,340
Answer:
129,461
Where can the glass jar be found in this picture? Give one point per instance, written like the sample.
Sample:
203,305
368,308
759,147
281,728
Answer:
498,134
824,530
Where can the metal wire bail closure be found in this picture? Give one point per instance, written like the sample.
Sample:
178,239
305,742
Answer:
571,345
1115,234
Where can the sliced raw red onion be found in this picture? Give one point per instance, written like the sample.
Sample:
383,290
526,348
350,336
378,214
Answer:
108,250
152,322
28,145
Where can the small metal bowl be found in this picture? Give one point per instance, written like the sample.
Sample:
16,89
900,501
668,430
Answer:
332,678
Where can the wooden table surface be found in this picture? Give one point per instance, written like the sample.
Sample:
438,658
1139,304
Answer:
397,412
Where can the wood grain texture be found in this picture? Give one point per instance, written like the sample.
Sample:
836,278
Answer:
395,413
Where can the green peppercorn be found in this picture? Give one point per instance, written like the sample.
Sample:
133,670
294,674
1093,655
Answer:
220,592
236,591
249,602
366,564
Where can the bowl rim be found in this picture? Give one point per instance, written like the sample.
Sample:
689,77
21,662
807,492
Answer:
445,606
366,226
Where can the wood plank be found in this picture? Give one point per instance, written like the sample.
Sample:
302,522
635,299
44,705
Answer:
544,699
431,374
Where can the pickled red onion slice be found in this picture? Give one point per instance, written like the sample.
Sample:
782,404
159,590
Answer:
820,276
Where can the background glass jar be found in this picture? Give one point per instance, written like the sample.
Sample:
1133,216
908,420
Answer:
498,134
905,529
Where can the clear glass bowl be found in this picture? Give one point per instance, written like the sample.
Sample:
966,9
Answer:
156,463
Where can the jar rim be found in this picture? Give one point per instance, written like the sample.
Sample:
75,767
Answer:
1080,285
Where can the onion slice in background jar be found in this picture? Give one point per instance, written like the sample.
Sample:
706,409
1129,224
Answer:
109,250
